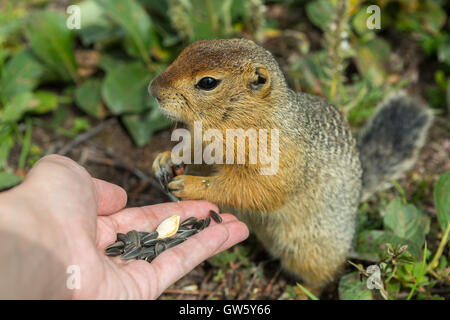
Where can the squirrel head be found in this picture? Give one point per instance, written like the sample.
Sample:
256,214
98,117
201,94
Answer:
223,83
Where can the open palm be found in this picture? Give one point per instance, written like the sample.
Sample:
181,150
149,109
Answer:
85,214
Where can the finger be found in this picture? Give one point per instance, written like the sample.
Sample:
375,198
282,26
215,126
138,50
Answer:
111,197
176,262
237,229
53,167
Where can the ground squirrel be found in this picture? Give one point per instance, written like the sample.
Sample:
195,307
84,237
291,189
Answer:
304,214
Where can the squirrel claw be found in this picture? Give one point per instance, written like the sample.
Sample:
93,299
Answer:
164,176
163,169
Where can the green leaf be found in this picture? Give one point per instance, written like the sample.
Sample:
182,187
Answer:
359,21
52,42
320,12
428,17
38,102
6,143
11,23
371,58
443,52
406,221
372,244
110,60
433,17
88,98
46,102
125,88
96,27
442,199
142,126
351,288
8,180
16,108
133,18
20,74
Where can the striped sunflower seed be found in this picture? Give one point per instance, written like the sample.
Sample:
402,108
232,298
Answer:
132,253
188,222
186,234
183,229
113,252
199,225
122,237
133,237
174,242
160,247
146,252
150,242
206,223
149,236
215,216
129,247
117,244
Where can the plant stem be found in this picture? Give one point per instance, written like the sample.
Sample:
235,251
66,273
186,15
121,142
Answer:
307,292
212,16
440,249
393,274
420,274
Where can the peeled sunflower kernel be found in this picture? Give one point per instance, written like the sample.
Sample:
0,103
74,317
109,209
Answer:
168,227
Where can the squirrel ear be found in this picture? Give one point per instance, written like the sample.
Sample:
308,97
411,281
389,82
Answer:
259,80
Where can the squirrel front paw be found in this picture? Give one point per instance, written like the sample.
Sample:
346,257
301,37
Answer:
164,169
189,187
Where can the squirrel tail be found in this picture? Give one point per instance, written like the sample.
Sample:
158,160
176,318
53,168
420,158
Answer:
390,142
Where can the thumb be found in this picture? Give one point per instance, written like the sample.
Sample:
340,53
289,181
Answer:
110,197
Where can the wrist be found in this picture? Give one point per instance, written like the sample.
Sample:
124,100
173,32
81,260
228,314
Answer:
29,265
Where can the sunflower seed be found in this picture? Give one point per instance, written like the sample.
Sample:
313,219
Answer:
187,233
113,252
174,242
149,236
215,216
117,244
207,221
129,247
145,252
132,254
148,250
160,247
150,242
122,237
188,222
148,245
168,227
199,225
183,229
133,237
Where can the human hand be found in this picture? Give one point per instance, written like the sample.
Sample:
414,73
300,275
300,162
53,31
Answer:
61,216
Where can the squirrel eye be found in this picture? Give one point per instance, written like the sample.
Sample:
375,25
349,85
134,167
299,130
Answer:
207,83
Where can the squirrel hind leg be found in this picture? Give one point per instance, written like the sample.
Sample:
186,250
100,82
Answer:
314,274
390,142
